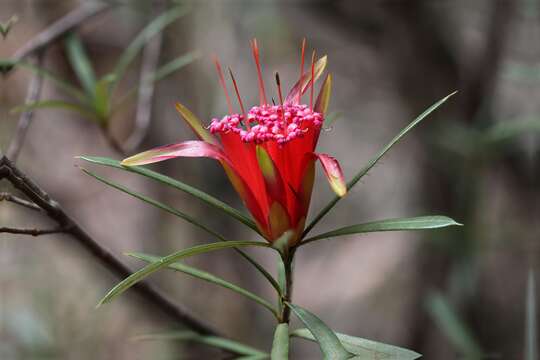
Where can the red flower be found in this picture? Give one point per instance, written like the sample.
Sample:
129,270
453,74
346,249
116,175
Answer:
267,152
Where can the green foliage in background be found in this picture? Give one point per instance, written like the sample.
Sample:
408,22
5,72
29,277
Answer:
95,99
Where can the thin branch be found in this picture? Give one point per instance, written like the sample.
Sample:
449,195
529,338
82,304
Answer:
60,27
103,255
150,60
4,196
32,232
32,96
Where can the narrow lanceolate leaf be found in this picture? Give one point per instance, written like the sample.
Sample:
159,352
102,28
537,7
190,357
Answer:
213,341
5,27
189,219
69,89
374,161
304,83
415,223
323,100
531,327
80,63
329,343
193,148
196,125
57,104
102,98
457,332
280,346
174,65
201,195
333,173
160,74
365,349
168,260
203,275
154,27
156,203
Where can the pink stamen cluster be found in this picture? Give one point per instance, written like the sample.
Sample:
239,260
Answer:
267,123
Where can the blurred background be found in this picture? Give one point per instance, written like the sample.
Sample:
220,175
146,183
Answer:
449,294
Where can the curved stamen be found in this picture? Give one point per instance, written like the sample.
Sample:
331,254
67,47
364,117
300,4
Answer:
301,67
222,81
246,120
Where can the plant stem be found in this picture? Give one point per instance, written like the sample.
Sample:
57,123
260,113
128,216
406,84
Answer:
288,258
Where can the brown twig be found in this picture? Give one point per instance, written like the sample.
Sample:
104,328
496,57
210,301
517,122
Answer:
60,27
150,60
32,96
4,196
103,255
32,232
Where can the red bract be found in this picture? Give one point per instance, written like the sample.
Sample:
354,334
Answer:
268,152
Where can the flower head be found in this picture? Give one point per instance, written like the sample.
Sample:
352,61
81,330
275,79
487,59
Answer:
268,152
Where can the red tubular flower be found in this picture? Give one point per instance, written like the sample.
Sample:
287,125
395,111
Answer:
268,152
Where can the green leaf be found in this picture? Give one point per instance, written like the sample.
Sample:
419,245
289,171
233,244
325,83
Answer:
69,89
155,203
453,327
102,98
56,104
208,199
531,327
189,219
509,130
366,349
374,161
168,260
174,65
160,74
154,27
203,275
80,63
329,343
280,346
415,223
214,341
5,27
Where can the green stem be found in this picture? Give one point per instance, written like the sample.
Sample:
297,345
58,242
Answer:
287,258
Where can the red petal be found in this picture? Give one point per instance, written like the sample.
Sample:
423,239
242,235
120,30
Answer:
305,80
333,173
204,149
184,149
248,198
244,160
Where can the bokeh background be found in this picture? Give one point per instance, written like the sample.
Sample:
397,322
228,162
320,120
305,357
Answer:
446,294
